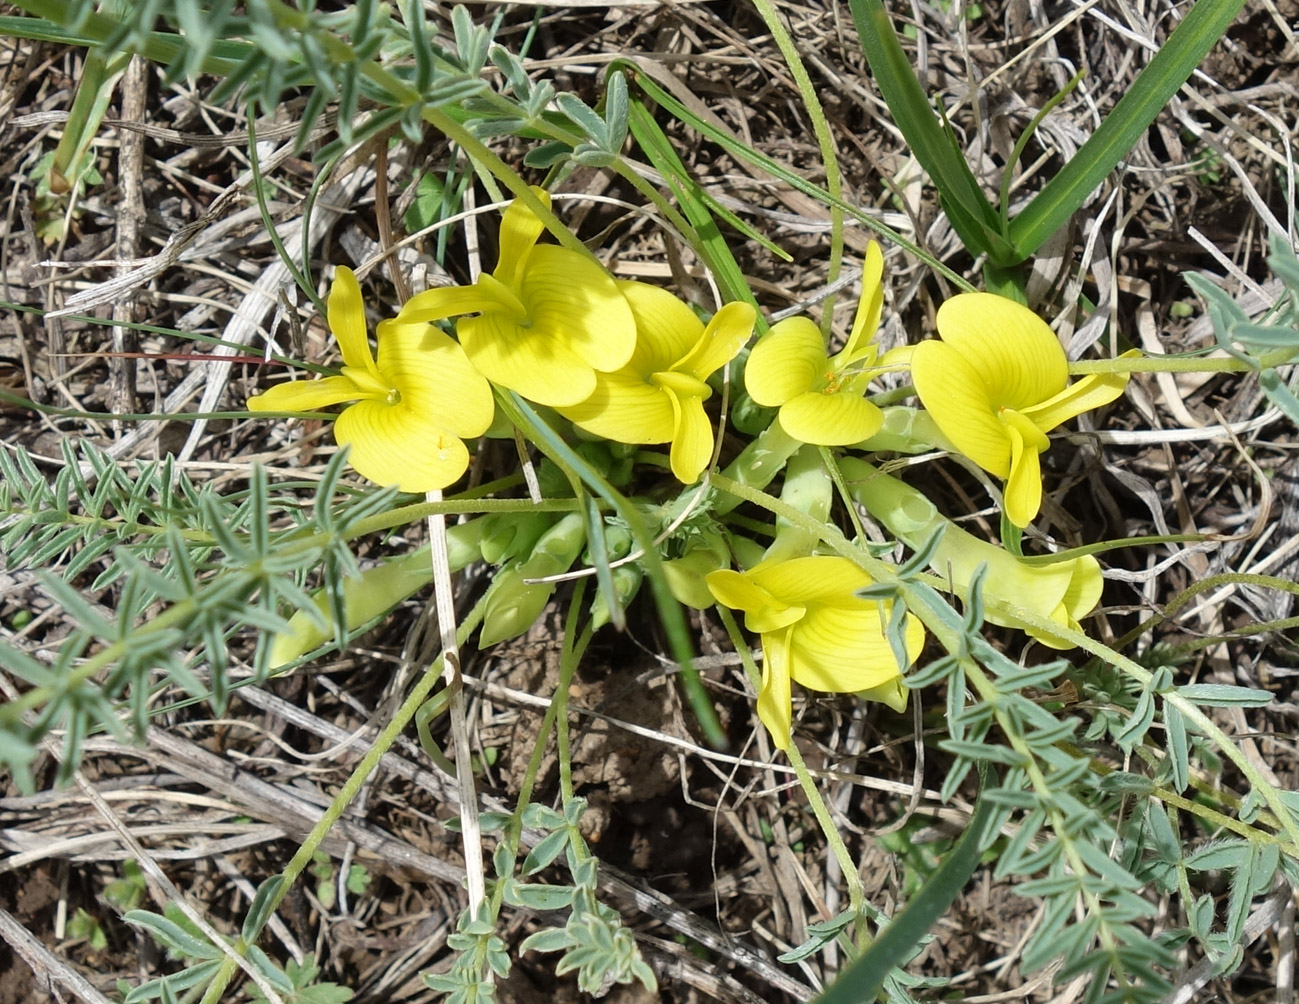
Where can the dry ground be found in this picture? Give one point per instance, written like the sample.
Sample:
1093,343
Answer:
734,861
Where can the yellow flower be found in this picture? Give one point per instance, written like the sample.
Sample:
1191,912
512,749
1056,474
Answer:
547,318
414,406
816,632
996,384
659,396
1063,591
821,397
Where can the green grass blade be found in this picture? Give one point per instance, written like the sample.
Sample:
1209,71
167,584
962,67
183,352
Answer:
779,171
860,981
697,206
967,207
541,435
1170,67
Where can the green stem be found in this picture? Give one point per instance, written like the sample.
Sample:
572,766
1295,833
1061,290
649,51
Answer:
824,140
856,892
883,572
757,465
351,787
1182,364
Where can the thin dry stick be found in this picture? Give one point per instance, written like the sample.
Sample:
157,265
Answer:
163,890
446,611
121,368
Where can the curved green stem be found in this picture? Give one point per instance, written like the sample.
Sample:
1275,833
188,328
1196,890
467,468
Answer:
351,787
856,892
824,140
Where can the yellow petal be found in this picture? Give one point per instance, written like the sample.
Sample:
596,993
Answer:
1092,391
305,395
442,302
692,442
625,409
531,361
726,333
1085,587
574,300
435,378
775,703
346,312
819,579
1081,597
830,419
1023,495
736,590
867,319
773,618
681,384
893,693
762,611
788,360
840,651
1033,437
666,328
392,445
1016,354
953,393
520,228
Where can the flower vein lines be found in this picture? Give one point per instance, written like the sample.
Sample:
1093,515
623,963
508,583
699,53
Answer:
996,384
816,632
413,407
659,396
545,320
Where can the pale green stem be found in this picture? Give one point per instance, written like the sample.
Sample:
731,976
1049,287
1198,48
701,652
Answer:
757,465
856,892
824,139
808,489
568,664
574,646
883,572
1182,364
351,787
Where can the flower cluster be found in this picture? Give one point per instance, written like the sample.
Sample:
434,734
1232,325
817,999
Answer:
625,360
632,365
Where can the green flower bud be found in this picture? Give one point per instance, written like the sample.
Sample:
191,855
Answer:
618,543
626,583
685,576
512,605
906,430
749,417
372,593
509,535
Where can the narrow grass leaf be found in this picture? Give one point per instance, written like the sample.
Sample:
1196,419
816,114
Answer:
1126,123
732,146
863,978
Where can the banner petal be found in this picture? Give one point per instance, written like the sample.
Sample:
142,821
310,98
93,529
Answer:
1015,353
391,446
955,396
788,360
